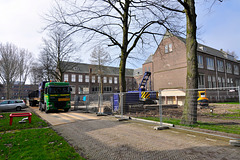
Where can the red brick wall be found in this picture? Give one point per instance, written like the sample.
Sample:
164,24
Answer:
170,68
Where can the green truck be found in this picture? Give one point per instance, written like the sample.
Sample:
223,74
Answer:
54,96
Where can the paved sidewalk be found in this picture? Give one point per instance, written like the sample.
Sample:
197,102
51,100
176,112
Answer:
107,138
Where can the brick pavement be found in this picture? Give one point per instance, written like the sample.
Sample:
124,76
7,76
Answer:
107,138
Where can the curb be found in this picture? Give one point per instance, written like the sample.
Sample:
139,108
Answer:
235,142
144,120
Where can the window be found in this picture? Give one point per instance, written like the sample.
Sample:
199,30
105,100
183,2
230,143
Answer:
99,79
214,81
201,81
220,67
200,61
228,82
209,81
170,47
231,82
210,63
107,89
85,90
80,90
80,79
86,78
65,77
237,82
73,78
236,70
104,79
115,80
223,82
93,79
73,89
95,89
219,82
229,68
166,48
110,80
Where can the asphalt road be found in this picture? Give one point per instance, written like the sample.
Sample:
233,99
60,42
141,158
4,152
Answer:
106,138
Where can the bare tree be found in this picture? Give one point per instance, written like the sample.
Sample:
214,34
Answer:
36,73
232,53
8,66
124,24
57,50
46,65
24,65
100,57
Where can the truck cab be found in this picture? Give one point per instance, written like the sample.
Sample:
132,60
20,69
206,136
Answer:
55,95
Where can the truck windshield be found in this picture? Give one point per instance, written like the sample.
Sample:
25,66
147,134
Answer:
58,90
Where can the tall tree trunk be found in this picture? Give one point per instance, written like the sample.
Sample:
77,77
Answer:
190,106
122,81
124,53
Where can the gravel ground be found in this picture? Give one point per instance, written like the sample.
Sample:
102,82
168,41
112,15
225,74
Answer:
107,138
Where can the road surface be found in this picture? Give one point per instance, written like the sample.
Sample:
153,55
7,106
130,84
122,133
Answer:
106,138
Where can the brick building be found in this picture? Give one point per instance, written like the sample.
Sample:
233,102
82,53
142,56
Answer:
85,79
17,91
216,68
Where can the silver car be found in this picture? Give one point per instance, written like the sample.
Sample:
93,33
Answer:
12,104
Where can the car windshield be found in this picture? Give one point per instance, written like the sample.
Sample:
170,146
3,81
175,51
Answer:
58,90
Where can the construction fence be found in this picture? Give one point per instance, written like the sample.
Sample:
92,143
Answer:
212,105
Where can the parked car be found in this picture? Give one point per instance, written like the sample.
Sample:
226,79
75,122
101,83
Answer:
16,104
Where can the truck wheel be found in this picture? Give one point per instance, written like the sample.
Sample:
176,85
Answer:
41,107
66,109
45,108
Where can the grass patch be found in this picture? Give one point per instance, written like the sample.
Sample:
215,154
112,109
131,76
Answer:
32,141
227,116
35,144
227,128
228,103
36,122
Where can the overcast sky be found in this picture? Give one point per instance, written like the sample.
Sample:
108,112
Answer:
21,24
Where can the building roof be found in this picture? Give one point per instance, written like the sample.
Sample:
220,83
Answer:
137,72
149,59
205,49
211,51
85,68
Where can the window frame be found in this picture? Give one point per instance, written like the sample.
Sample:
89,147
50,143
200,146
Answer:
203,80
73,78
73,89
115,80
210,63
229,68
87,78
220,66
200,57
80,78
235,69
93,79
110,80
65,77
104,79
